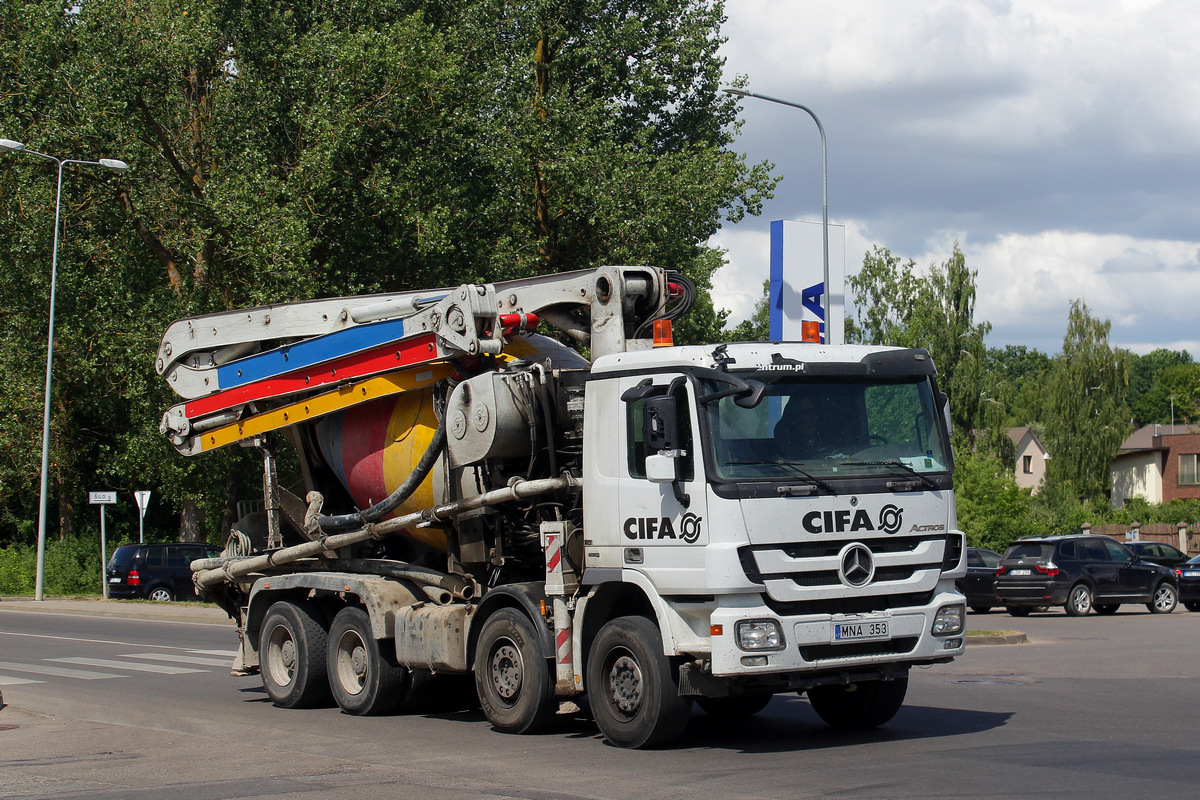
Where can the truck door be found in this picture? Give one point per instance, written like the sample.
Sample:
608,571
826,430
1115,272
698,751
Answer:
662,521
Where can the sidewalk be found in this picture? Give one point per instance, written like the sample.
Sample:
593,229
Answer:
131,609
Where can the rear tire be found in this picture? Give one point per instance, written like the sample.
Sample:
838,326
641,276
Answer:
730,708
1019,611
1164,600
1079,600
858,706
513,675
291,650
633,688
160,594
365,678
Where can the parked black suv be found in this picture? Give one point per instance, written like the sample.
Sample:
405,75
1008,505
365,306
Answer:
155,571
1081,572
978,585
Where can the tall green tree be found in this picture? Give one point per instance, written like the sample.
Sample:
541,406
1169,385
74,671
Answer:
1156,378
1087,395
895,305
283,151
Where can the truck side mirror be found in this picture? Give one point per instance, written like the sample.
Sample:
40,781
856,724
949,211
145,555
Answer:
660,424
660,468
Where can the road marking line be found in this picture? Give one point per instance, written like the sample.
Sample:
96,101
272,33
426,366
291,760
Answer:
226,653
6,680
204,662
58,672
104,662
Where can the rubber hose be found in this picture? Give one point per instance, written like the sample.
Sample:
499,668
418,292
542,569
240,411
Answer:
348,522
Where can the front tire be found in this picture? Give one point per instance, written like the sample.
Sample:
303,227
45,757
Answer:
513,675
858,706
1165,598
364,677
291,650
632,687
1079,600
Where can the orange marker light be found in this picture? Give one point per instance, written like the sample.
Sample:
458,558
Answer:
810,331
716,630
662,333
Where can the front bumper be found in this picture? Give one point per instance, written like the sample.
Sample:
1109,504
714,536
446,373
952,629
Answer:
809,645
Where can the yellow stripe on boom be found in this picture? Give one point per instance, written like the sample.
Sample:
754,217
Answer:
322,404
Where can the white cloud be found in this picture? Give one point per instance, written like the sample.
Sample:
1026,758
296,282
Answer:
1056,140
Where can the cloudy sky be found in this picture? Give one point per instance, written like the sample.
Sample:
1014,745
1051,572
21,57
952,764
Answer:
1058,141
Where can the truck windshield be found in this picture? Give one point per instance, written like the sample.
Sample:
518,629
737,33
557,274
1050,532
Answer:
822,428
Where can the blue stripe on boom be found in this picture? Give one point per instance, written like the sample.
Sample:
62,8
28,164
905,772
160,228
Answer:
308,353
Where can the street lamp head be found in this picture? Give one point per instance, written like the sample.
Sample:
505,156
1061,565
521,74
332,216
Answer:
8,145
738,92
114,164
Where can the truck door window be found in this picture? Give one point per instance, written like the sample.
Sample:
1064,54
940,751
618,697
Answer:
636,444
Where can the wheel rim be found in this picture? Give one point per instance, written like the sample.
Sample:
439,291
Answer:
1082,599
1164,598
507,670
281,655
160,595
351,661
625,684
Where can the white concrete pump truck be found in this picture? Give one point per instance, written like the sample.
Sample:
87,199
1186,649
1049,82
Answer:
659,526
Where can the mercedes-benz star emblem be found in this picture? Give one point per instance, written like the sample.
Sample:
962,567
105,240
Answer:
857,566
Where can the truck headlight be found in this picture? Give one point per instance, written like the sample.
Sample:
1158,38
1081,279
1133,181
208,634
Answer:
759,634
949,620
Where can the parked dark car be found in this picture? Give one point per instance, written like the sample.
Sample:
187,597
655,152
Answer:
1081,572
978,585
1189,583
1158,553
155,571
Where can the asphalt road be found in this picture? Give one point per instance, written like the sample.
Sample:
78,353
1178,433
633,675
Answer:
1098,707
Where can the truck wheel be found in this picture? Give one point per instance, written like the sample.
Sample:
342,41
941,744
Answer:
365,678
291,648
739,707
858,706
632,687
1165,598
1079,601
512,674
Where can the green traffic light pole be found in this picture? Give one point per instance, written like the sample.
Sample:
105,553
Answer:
6,146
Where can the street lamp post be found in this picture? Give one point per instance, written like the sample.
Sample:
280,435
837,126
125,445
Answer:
824,192
8,145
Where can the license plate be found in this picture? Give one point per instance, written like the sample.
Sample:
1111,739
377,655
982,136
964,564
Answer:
1019,572
114,580
1192,573
858,631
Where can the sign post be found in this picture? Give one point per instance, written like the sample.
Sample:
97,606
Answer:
143,500
103,499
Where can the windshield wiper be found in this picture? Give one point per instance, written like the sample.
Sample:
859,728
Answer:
811,479
923,478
